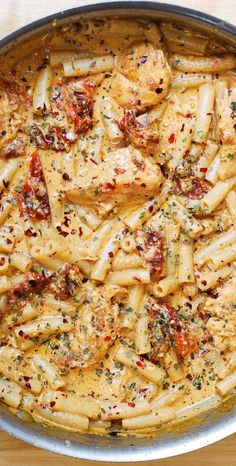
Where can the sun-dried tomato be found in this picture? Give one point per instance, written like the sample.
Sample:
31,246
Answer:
140,135
167,330
150,246
199,188
32,283
34,198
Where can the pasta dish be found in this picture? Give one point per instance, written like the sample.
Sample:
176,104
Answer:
117,226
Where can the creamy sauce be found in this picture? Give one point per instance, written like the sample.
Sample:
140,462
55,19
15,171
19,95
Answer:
117,266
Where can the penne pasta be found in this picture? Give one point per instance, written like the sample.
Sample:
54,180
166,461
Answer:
149,420
133,303
223,257
226,385
142,340
48,372
126,261
205,64
210,402
42,91
125,410
189,224
216,195
210,278
186,267
87,66
10,393
117,226
172,366
204,112
221,240
140,365
66,402
44,326
190,80
165,286
68,421
129,277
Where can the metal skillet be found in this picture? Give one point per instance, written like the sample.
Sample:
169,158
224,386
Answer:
194,434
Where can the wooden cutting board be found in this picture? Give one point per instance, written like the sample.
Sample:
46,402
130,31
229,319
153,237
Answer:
16,13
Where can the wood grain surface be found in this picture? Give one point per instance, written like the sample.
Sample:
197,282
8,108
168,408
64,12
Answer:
16,13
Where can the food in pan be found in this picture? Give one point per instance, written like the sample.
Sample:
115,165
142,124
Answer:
117,226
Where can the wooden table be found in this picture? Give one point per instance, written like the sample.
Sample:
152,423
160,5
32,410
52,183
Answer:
16,13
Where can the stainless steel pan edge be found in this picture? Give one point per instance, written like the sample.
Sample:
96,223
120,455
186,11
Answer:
209,428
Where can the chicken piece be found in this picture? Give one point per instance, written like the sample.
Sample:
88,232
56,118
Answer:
220,305
227,155
126,174
220,302
97,326
143,76
226,110
14,111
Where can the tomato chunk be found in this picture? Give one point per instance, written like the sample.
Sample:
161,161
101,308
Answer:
34,197
32,283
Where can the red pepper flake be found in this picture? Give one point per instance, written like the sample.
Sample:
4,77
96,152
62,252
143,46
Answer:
2,260
137,279
66,177
189,377
150,208
26,378
171,138
61,232
93,161
52,404
108,338
80,231
131,404
29,232
139,364
21,333
66,221
188,115
110,254
119,171
203,169
65,321
183,125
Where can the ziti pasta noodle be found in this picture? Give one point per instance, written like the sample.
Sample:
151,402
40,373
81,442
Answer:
117,226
